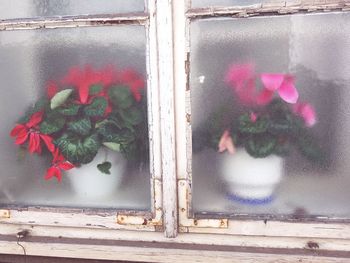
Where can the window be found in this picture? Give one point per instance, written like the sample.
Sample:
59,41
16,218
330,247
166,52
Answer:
58,47
262,78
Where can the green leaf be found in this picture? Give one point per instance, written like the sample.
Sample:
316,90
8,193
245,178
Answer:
52,125
91,145
94,89
132,115
260,146
77,150
310,148
113,146
248,126
121,96
282,126
39,106
105,167
81,126
107,131
70,110
60,98
97,108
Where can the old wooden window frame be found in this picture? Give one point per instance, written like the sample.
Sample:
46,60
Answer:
103,218
104,235
318,227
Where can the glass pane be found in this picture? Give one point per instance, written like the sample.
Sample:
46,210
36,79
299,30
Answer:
276,89
100,70
34,8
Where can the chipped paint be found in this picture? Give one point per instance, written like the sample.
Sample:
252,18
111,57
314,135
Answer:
74,21
272,8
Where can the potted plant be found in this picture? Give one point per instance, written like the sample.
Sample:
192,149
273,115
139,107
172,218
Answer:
89,122
263,125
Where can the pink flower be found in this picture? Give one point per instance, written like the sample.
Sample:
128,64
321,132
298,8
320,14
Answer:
307,112
253,117
238,75
226,143
243,82
283,84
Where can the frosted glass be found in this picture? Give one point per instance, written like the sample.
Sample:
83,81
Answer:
28,61
316,50
36,8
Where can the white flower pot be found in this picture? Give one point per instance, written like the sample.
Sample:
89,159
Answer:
90,183
251,179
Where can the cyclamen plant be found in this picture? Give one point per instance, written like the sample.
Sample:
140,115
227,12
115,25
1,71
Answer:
84,111
271,120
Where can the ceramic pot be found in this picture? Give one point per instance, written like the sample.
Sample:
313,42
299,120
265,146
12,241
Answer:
249,179
90,183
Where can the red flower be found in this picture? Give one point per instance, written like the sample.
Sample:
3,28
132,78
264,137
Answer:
82,80
58,163
30,130
52,89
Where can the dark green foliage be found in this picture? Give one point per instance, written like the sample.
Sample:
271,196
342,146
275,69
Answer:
80,126
40,105
132,116
97,108
260,146
105,167
275,130
78,150
94,89
247,126
121,97
54,122
49,127
309,147
70,110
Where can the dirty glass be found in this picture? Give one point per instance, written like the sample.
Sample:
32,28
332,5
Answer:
272,94
36,62
38,8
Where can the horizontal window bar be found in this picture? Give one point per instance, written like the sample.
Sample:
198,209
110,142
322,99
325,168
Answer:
266,9
74,21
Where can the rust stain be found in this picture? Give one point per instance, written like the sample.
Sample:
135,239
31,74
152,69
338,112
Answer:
5,214
222,223
137,220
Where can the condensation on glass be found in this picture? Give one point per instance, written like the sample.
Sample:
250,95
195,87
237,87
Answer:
38,8
316,50
29,59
